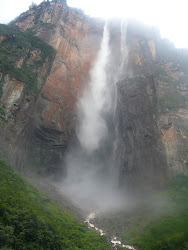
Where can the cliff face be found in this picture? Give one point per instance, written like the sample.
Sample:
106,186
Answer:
25,62
76,38
152,113
152,97
141,152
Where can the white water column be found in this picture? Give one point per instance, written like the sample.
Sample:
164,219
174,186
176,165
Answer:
92,128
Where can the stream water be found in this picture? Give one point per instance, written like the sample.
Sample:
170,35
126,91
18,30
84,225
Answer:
115,241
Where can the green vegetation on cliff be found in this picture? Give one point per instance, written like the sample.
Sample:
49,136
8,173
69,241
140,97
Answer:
23,55
29,220
172,101
2,113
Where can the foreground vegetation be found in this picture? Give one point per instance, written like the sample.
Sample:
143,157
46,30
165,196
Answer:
29,220
157,222
165,226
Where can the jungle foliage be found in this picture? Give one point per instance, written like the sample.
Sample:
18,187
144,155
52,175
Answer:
29,220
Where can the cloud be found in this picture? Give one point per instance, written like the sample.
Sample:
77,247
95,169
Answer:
169,16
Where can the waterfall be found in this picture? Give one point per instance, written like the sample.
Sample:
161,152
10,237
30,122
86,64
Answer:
94,102
124,49
91,164
121,73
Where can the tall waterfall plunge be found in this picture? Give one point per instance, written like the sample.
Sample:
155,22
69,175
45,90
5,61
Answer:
95,101
91,165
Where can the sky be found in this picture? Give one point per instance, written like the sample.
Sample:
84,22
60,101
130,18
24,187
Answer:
169,15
